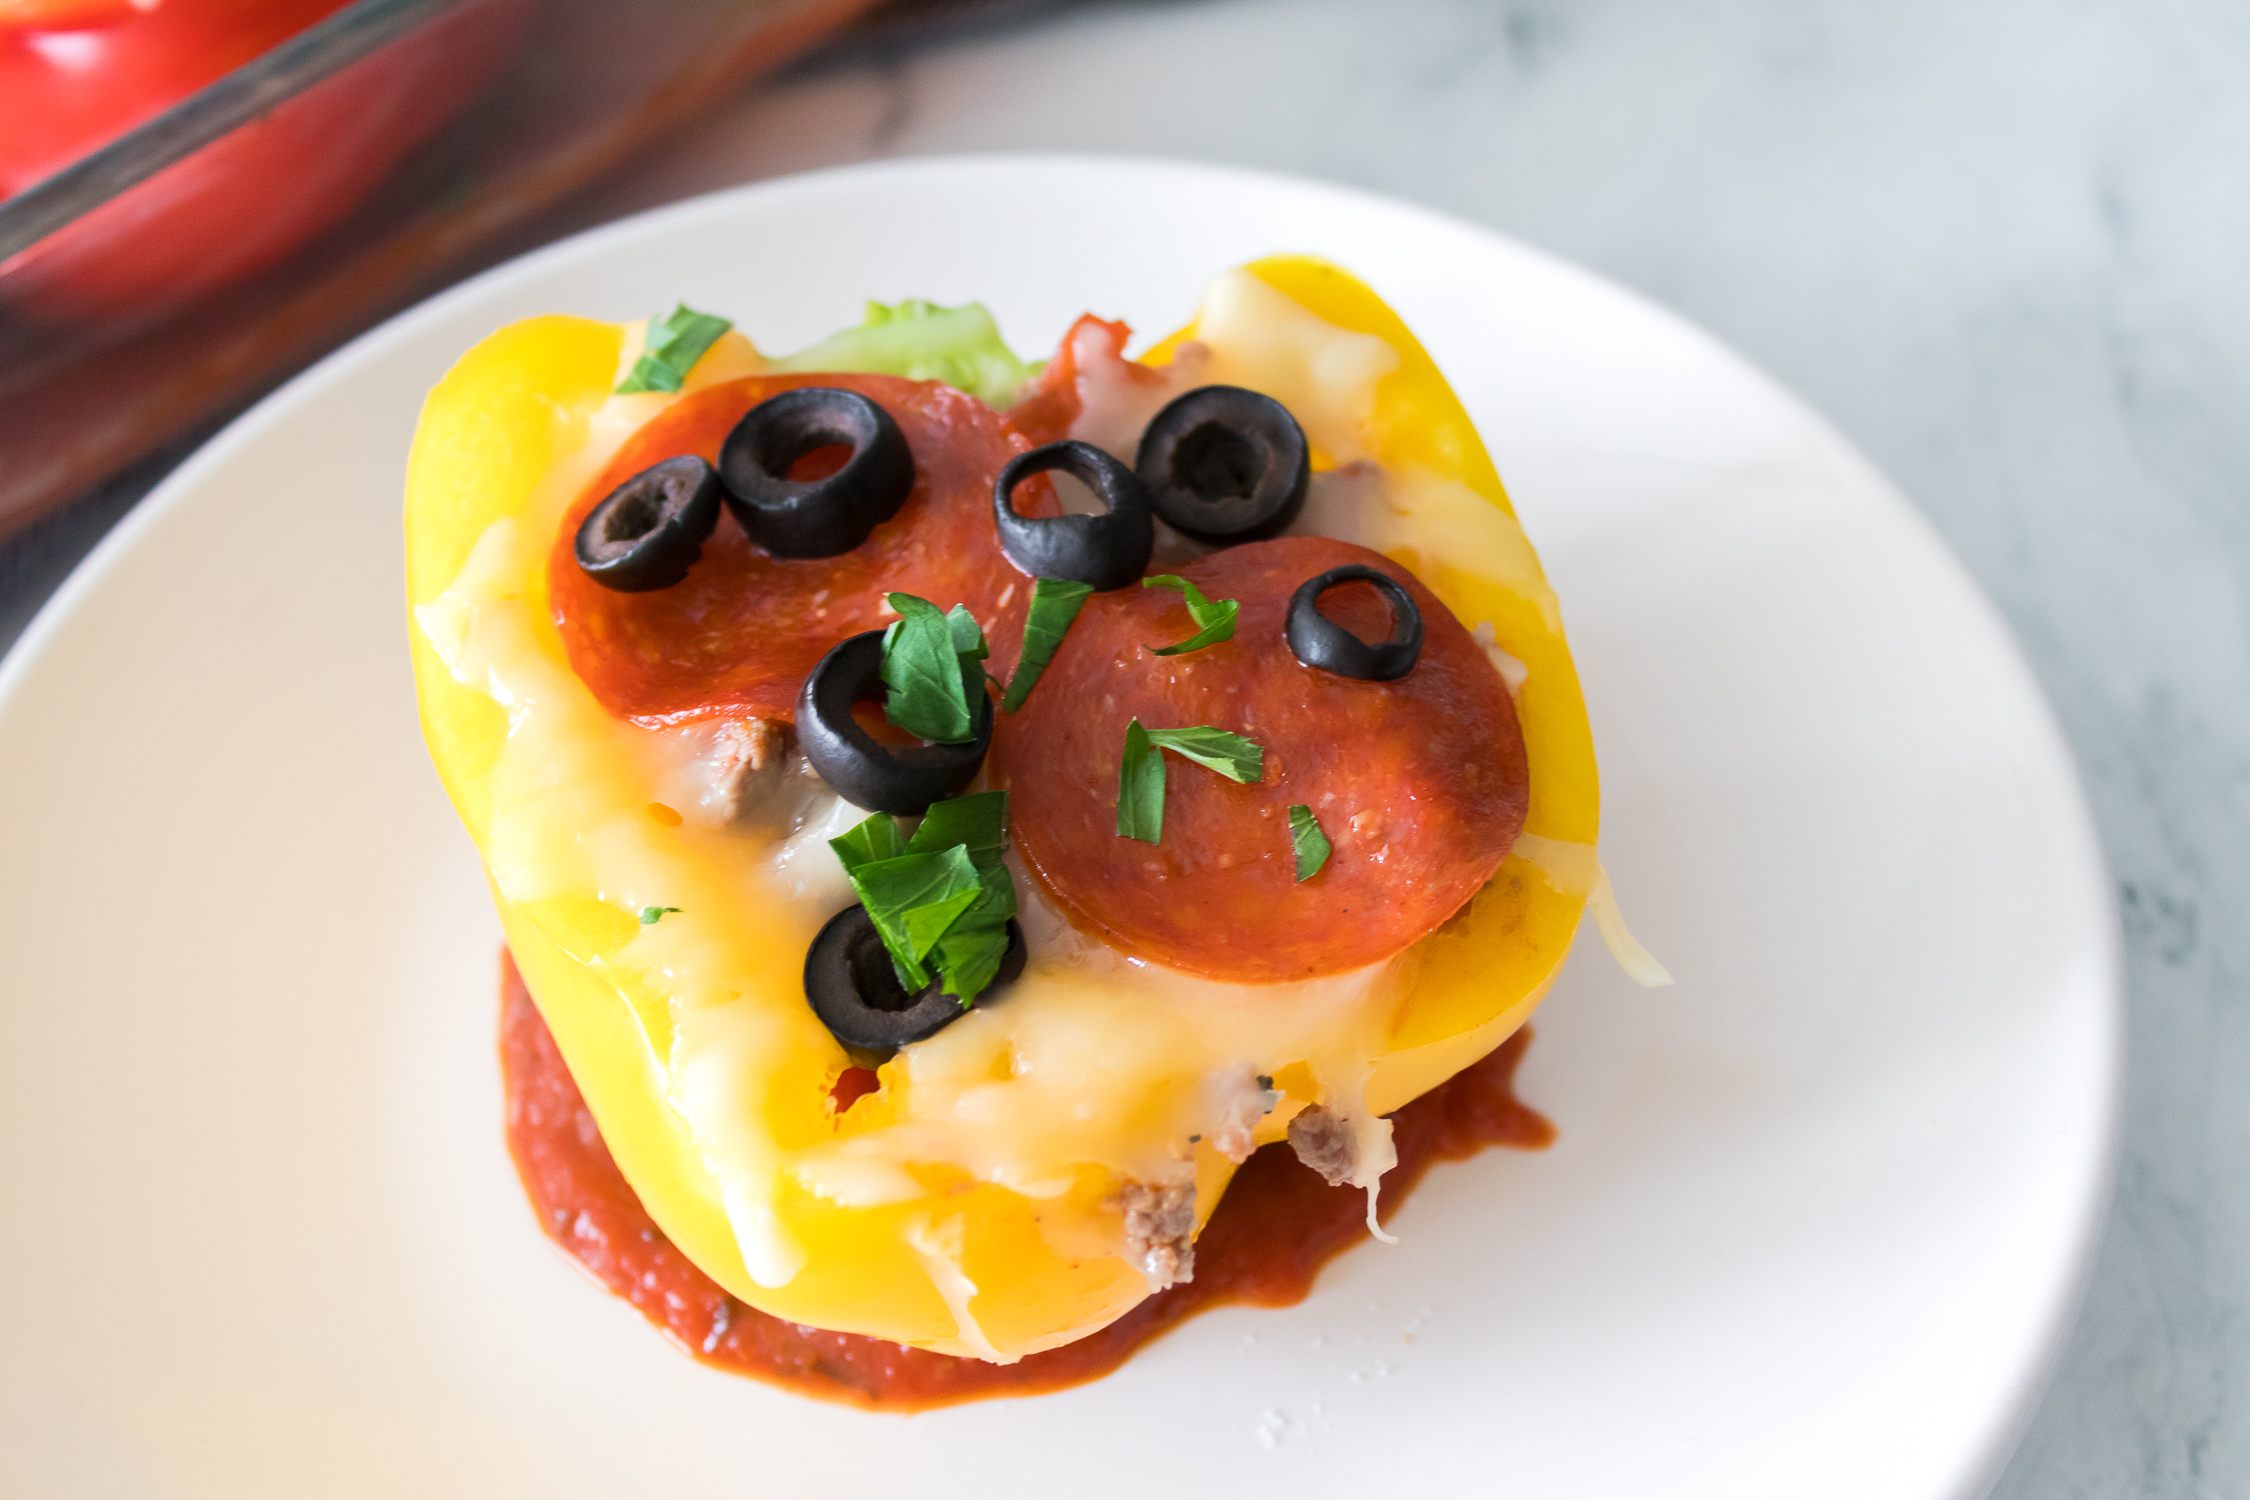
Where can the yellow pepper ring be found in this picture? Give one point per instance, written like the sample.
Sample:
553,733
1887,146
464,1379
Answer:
522,403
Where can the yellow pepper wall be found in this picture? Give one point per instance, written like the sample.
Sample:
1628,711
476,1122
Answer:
522,401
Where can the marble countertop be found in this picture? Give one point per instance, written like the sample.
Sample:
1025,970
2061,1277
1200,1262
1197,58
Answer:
1999,242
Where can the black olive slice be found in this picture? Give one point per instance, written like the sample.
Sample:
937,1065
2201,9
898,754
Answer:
1320,642
1107,551
1223,465
649,531
855,991
904,780
815,517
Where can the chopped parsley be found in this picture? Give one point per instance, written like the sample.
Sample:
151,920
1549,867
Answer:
1140,788
979,824
912,900
1055,603
675,343
877,838
1232,756
933,666
941,899
651,915
1140,772
1214,620
1310,843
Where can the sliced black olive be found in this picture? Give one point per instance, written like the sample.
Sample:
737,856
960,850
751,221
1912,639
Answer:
1107,551
903,780
855,991
1223,464
1320,642
648,531
815,517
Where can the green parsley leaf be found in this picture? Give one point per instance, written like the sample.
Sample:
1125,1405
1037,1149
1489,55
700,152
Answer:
651,915
968,636
997,904
1232,756
912,900
1140,788
926,925
979,824
1055,603
968,956
675,343
1310,843
930,666
877,838
1214,621
941,899
964,950
968,959
1140,771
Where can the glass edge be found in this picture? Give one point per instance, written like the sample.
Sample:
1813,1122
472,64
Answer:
254,89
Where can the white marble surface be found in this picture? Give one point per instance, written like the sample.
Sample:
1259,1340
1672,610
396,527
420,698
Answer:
2001,243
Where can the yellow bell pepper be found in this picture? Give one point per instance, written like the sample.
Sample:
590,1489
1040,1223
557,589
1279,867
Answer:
500,425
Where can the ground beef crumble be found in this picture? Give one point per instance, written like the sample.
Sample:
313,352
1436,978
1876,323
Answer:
1159,1230
1325,1142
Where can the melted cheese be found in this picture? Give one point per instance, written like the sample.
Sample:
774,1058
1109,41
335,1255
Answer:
940,1250
1577,870
1093,1068
1267,341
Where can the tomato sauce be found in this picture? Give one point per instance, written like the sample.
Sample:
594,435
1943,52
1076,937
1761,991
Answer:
1420,785
738,635
1278,1224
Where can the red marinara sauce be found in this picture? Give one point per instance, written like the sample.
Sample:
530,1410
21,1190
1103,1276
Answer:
1278,1224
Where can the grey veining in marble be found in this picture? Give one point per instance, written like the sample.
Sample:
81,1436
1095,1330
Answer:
2004,245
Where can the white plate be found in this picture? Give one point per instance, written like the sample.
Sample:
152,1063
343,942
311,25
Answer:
1818,1217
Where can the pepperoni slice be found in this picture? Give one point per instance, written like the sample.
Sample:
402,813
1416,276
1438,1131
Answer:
1419,784
1093,347
739,635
